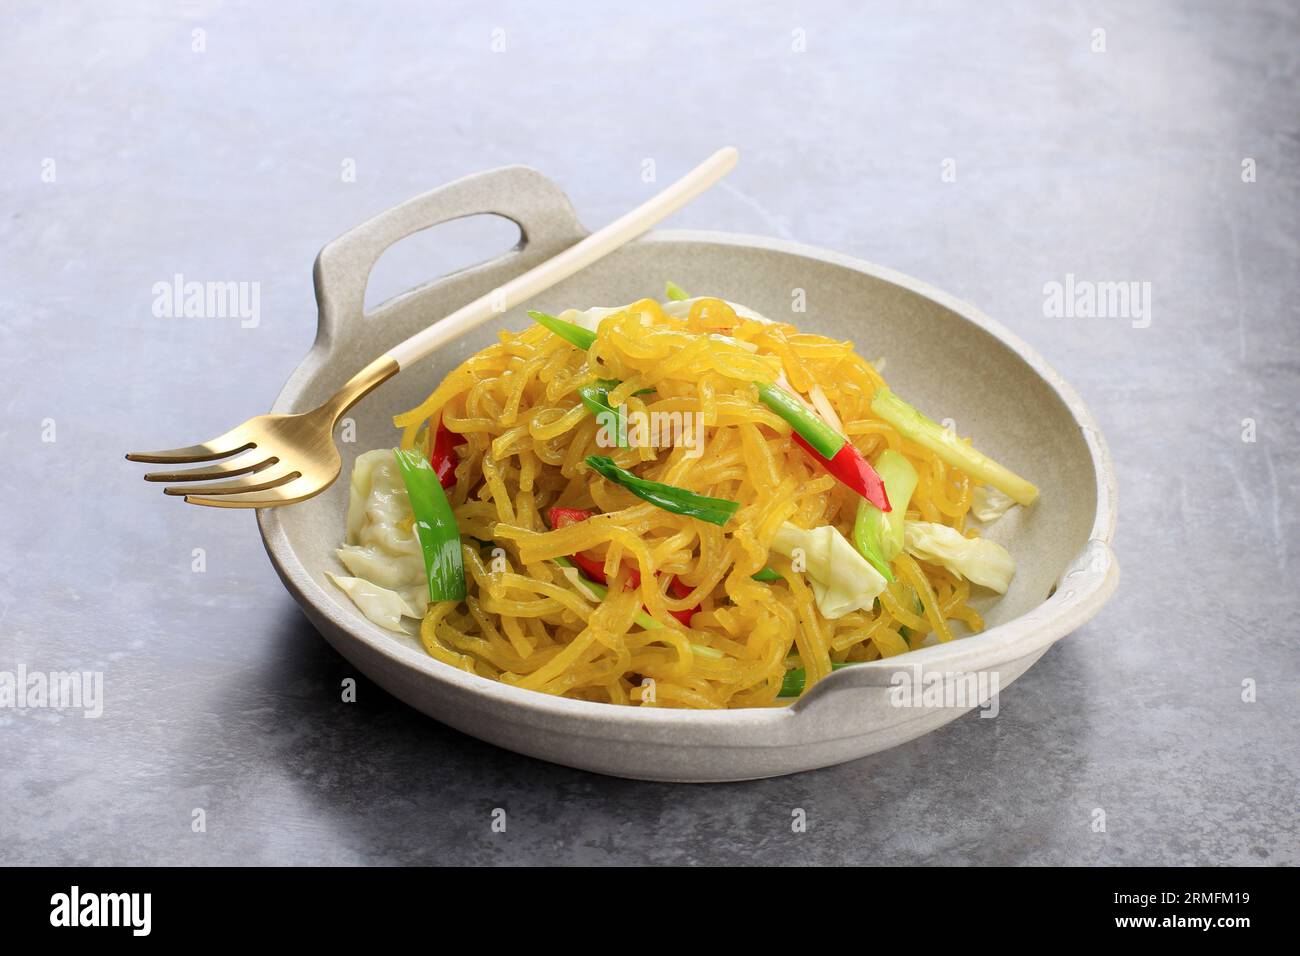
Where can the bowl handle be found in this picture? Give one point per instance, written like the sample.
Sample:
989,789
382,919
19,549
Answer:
538,206
968,669
1094,571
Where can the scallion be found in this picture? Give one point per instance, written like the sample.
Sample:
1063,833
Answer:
878,535
644,620
675,293
792,684
679,501
435,526
596,397
825,440
913,425
573,334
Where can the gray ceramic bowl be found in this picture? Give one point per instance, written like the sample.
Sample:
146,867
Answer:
943,355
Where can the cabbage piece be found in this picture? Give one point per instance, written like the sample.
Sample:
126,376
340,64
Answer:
979,560
382,549
394,572
386,608
988,504
379,509
842,580
403,576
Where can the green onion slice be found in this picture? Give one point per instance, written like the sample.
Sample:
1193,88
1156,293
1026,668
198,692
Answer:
679,501
913,425
878,534
642,618
826,440
435,526
573,334
596,397
675,293
793,683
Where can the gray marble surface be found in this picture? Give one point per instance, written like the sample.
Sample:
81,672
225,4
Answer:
228,163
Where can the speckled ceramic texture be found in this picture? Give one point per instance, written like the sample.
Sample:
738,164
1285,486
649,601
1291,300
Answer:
941,354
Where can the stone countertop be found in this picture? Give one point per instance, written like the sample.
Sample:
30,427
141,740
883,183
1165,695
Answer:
989,151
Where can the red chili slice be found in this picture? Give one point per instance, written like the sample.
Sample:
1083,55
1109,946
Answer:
563,517
591,567
852,469
681,589
443,457
595,569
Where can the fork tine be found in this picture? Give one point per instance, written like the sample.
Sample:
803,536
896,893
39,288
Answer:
226,470
221,447
286,494
234,487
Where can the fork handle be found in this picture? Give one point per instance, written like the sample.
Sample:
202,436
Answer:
578,256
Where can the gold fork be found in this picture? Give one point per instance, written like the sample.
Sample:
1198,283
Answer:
281,459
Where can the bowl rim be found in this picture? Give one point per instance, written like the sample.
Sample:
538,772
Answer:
1011,640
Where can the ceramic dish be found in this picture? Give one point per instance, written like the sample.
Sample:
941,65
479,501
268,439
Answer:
941,353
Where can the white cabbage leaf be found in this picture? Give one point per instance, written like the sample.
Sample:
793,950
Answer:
979,560
386,608
988,504
842,579
382,550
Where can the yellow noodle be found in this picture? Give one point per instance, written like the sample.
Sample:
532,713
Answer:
523,623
